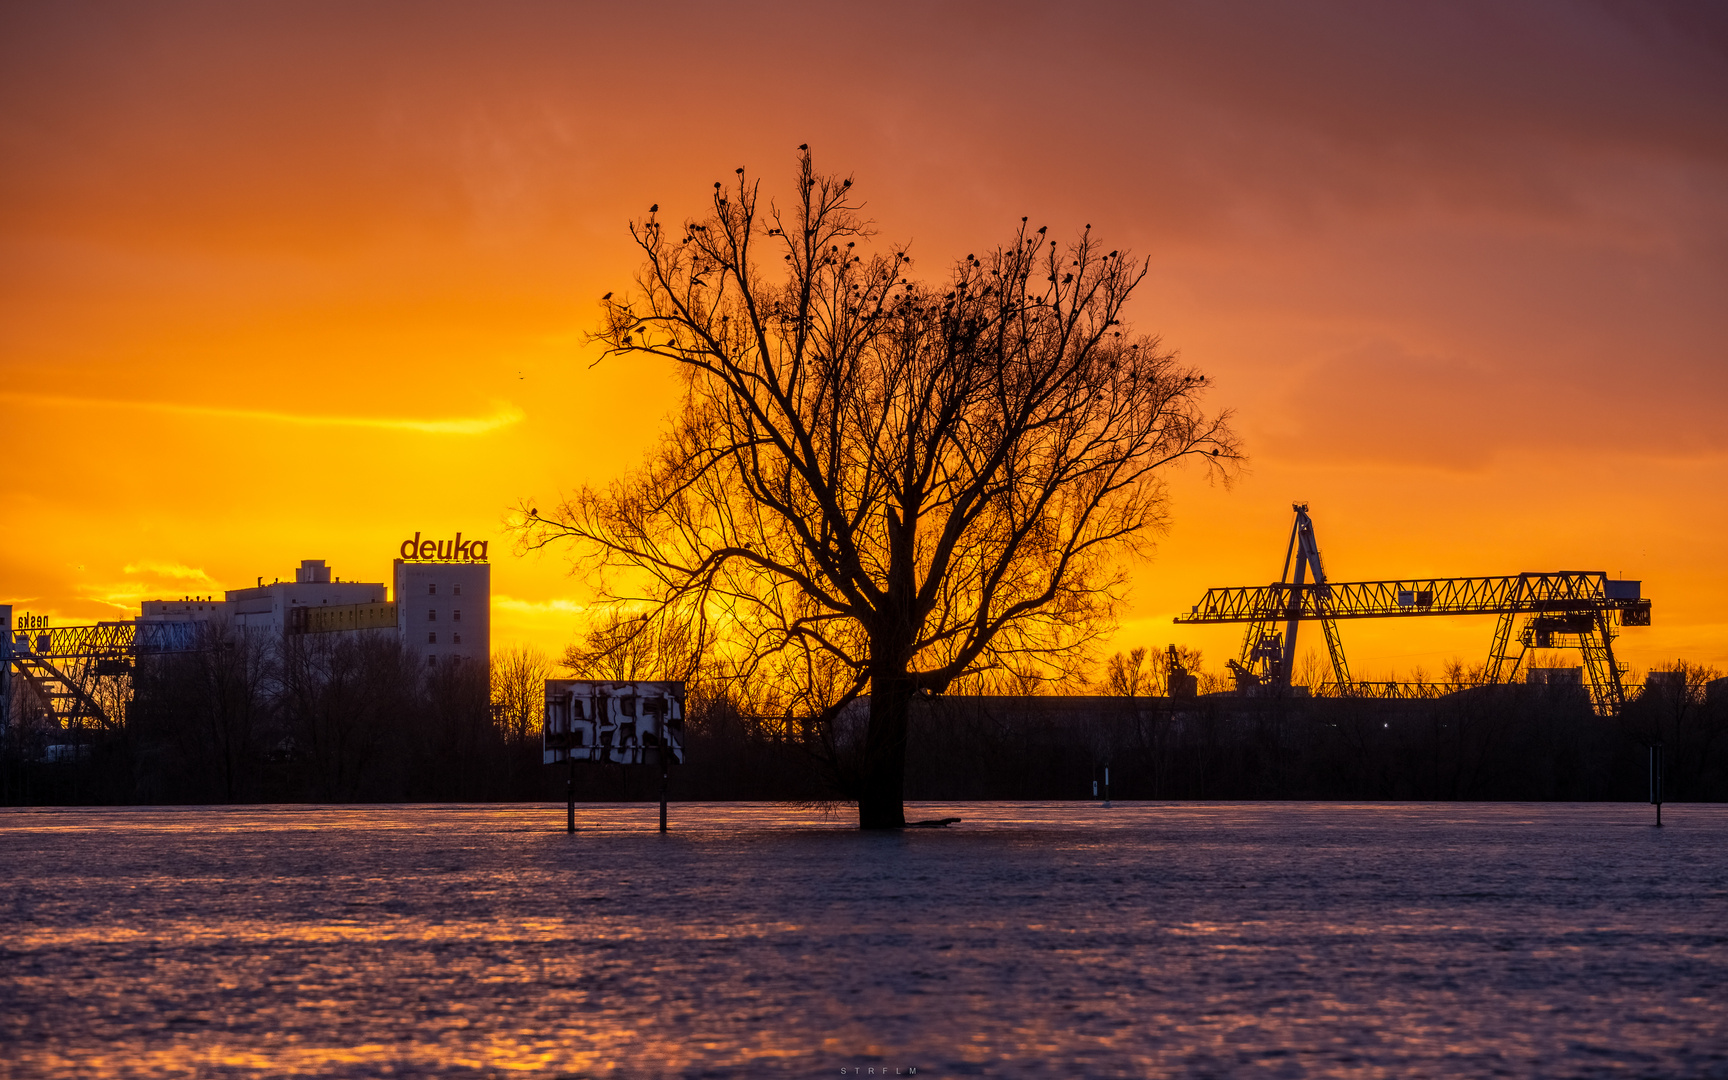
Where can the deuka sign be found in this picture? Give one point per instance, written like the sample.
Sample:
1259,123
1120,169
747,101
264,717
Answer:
457,550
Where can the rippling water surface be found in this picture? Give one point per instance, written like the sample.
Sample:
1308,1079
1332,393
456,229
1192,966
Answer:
1041,939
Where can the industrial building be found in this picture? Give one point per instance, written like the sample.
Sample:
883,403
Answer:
439,607
440,611
273,608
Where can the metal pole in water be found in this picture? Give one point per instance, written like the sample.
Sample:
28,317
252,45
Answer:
570,794
1656,780
662,791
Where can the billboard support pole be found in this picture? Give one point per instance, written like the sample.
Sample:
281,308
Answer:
570,793
1656,780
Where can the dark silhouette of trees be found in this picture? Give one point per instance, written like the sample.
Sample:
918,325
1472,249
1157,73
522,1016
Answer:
456,749
1677,711
358,718
347,700
231,676
876,484
204,716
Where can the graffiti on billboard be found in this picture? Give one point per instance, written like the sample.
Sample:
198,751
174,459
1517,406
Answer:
628,723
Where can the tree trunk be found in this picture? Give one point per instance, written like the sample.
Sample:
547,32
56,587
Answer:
882,793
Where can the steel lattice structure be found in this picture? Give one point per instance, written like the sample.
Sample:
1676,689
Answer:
1560,591
74,669
1561,609
1401,691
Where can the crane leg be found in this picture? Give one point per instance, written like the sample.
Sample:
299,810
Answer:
1497,651
1335,646
1607,695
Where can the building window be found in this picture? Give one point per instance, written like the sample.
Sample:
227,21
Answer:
456,590
456,616
431,590
432,638
455,639
431,614
430,660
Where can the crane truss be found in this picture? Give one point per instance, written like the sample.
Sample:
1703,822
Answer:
83,674
1563,591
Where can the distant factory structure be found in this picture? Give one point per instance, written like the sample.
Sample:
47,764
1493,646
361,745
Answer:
437,606
438,603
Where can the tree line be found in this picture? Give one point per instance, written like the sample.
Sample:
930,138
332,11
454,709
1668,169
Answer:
347,718
250,718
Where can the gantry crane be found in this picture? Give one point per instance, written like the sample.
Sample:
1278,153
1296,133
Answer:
1560,609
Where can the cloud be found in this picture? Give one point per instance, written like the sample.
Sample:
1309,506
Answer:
503,415
149,580
555,606
547,623
175,571
125,598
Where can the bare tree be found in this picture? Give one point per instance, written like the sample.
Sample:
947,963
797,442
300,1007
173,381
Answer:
878,485
1128,674
626,646
1461,674
1142,671
518,677
1311,671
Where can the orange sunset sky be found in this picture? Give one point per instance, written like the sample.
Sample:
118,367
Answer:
296,280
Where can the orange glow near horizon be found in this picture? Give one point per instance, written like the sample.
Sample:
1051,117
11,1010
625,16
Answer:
285,282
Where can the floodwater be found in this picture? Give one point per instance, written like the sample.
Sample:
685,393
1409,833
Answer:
1032,939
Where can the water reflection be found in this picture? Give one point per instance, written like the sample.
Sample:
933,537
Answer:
1262,939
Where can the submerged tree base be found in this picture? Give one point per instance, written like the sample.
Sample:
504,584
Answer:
881,816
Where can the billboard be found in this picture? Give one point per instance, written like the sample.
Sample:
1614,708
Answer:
630,723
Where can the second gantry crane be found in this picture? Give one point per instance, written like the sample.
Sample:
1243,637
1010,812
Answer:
1559,609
